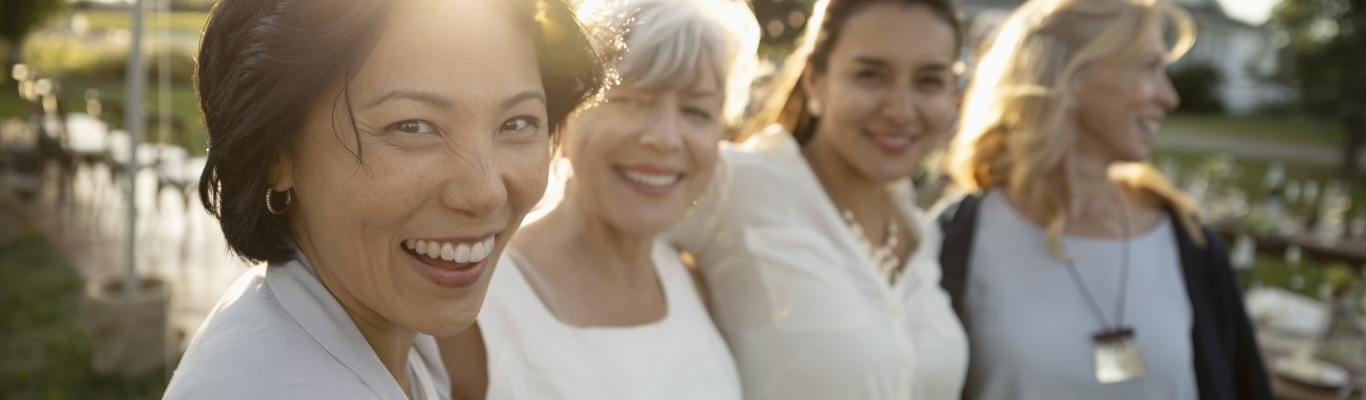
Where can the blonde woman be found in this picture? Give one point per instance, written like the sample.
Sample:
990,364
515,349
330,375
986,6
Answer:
823,273
589,304
1077,270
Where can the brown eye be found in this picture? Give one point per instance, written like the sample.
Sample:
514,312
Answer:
519,123
412,126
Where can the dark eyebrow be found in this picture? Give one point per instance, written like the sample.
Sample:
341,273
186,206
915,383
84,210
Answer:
878,62
523,96
425,97
873,61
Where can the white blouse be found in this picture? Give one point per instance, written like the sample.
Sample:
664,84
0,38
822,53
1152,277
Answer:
533,355
800,301
279,334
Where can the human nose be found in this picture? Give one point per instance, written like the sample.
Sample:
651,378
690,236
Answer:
474,185
899,107
662,132
1167,97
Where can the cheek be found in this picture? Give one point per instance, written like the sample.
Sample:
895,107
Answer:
704,154
525,170
938,113
850,106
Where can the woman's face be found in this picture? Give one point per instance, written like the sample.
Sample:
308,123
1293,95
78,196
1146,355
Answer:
1119,102
454,150
641,158
887,91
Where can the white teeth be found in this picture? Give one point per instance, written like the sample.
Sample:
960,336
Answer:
477,252
651,179
1151,126
462,253
447,252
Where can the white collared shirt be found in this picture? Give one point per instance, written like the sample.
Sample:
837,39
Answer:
279,334
800,301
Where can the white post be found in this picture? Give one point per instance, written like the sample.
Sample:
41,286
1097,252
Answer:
132,119
164,46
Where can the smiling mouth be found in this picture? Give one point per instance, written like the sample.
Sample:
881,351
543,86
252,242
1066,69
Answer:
1150,125
451,255
649,179
894,143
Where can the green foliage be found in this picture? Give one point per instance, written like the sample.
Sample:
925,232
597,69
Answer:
785,18
1329,58
44,349
1198,84
19,17
69,58
1284,128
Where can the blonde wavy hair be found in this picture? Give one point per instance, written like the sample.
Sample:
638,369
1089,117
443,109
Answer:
1010,132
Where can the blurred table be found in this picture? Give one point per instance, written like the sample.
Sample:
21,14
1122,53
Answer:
1350,251
1288,389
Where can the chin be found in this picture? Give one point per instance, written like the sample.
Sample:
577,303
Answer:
447,324
889,172
649,220
1137,156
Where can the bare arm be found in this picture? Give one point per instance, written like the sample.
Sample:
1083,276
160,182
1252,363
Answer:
467,363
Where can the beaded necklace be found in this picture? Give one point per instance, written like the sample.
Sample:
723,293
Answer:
883,255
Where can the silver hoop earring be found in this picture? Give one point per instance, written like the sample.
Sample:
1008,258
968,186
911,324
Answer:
814,106
270,207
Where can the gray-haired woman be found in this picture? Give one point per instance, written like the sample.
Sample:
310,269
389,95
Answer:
589,305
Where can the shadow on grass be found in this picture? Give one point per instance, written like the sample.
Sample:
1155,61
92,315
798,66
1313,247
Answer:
44,349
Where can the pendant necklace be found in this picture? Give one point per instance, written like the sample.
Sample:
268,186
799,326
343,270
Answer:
1117,356
883,255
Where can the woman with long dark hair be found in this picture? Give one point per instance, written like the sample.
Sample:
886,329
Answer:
823,273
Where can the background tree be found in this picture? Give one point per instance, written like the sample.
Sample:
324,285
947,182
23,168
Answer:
17,19
1328,65
1198,84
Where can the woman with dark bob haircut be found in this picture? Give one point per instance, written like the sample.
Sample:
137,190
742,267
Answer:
378,155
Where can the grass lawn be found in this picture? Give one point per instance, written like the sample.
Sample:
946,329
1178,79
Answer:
1253,172
44,350
1289,129
180,20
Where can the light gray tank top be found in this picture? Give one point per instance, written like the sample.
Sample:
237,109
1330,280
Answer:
1030,325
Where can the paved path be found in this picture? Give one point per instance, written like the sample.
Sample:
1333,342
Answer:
182,245
1261,149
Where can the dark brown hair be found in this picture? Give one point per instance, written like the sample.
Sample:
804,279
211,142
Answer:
264,64
786,104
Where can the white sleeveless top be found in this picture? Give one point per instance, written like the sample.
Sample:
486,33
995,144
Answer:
532,354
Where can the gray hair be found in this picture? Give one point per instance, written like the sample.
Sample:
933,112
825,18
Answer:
674,44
